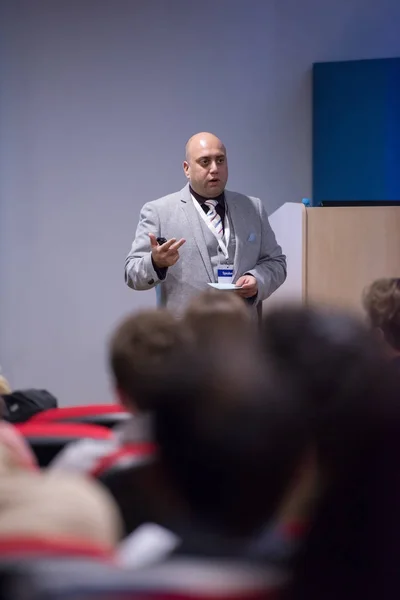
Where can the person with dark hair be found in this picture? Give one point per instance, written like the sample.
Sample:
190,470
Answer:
349,392
381,301
231,440
224,423
137,350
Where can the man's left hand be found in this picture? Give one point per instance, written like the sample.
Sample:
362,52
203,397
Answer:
248,285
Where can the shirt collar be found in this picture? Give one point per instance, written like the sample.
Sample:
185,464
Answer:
201,199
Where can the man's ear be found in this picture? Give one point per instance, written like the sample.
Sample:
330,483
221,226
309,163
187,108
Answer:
186,168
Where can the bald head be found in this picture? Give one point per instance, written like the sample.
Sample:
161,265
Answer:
202,141
205,164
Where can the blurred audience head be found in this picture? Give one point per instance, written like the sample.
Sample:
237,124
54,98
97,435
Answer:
381,301
336,367
8,460
216,313
230,436
350,393
15,450
57,507
138,350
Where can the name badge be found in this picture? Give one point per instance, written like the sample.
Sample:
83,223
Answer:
225,273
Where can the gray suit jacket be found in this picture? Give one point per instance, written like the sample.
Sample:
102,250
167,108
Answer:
257,251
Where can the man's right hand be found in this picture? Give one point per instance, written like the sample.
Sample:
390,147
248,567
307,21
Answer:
167,254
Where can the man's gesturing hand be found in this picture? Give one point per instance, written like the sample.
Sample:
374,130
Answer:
167,254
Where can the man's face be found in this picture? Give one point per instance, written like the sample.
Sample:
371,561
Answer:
206,168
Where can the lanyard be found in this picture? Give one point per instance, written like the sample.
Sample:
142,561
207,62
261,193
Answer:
224,242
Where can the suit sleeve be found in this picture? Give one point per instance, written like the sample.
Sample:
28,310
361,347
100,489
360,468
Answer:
270,270
140,273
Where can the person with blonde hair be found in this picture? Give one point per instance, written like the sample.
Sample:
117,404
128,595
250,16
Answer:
381,301
56,509
5,387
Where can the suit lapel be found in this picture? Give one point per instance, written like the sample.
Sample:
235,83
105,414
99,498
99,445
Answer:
235,212
196,229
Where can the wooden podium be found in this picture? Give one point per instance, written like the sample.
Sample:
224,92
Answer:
333,253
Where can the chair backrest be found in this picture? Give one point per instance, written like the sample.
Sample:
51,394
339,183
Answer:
118,473
142,491
47,439
25,547
53,572
177,580
106,415
123,458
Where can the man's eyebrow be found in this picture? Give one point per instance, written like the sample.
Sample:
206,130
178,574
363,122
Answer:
203,156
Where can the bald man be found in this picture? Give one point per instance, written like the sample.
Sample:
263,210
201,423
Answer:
212,236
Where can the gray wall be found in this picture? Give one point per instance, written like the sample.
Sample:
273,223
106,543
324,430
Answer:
97,98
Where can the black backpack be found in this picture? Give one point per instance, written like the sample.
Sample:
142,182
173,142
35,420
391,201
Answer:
21,405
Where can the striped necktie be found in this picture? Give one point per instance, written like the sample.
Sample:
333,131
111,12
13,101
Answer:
214,218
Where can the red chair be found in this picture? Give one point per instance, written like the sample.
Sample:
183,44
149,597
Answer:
107,415
164,582
124,458
68,571
17,547
47,439
136,479
33,567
